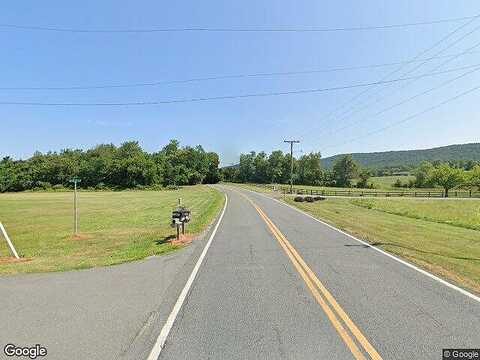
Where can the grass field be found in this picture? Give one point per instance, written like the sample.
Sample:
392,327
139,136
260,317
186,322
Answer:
460,213
386,182
442,236
115,227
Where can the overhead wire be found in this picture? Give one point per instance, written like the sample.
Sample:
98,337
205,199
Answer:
234,29
219,77
226,97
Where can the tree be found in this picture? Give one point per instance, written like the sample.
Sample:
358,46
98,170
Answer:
473,178
363,176
127,166
345,169
260,164
447,177
246,167
213,173
423,175
275,167
309,169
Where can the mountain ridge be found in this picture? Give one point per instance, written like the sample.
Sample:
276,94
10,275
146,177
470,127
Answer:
411,158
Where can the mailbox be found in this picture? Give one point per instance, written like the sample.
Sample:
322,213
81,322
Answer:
180,216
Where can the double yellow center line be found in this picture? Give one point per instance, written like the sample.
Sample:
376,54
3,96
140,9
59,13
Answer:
332,309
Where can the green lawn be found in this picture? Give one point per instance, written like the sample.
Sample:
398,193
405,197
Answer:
461,213
386,182
441,236
115,227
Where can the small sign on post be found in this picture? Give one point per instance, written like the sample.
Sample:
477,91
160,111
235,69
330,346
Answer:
75,181
180,217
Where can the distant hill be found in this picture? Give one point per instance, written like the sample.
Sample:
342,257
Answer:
389,159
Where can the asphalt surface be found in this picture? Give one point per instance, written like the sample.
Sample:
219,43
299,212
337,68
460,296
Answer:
248,301
102,313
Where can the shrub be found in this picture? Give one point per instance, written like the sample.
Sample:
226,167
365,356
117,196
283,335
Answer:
100,186
299,199
398,183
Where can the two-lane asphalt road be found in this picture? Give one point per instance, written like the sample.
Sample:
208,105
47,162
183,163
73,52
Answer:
277,284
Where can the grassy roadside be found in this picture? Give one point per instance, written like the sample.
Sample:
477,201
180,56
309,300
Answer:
441,236
115,227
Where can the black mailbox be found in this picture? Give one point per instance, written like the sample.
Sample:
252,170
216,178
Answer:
180,216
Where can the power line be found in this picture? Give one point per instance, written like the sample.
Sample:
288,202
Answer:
445,83
411,117
402,87
226,77
226,97
233,29
443,39
354,110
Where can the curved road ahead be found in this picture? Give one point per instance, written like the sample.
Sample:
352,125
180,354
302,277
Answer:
277,284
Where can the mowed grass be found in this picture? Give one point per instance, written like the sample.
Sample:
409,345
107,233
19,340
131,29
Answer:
441,236
461,213
115,227
387,182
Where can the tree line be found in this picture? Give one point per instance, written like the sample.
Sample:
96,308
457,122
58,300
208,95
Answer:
275,168
446,176
346,172
107,166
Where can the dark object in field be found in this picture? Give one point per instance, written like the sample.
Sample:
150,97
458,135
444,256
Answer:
299,199
309,199
317,198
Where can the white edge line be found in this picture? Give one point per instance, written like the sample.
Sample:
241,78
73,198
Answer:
424,272
10,244
162,337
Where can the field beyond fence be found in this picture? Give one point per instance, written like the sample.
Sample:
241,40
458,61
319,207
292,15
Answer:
372,192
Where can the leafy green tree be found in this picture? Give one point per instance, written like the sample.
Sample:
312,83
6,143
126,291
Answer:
309,169
275,167
231,174
246,167
447,177
423,175
363,177
213,172
260,164
345,169
127,166
472,179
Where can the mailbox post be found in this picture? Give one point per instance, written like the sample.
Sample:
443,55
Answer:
180,217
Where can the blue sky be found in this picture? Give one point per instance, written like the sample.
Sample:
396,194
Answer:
43,59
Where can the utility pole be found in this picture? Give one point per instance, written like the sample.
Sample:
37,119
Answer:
291,142
75,181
